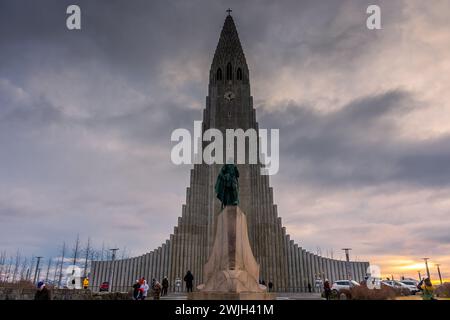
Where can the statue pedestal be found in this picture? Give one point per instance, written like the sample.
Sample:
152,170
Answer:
231,272
200,295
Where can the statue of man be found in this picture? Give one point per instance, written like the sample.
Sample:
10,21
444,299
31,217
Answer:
227,185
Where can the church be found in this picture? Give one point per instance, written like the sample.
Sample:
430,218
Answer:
286,264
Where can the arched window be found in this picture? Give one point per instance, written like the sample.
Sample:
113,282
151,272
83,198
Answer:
219,74
239,74
229,71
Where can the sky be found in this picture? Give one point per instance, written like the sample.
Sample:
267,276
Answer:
364,118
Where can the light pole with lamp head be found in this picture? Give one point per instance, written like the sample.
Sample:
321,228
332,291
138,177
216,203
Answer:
111,271
426,265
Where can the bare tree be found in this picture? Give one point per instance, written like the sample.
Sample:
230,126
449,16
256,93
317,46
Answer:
30,270
2,265
103,250
61,264
75,250
125,253
16,265
48,269
94,255
86,259
55,272
23,269
9,266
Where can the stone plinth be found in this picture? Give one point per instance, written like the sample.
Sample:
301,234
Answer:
205,295
231,272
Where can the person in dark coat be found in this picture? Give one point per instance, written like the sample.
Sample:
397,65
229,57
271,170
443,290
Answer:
136,291
189,278
309,287
165,286
327,289
42,292
270,284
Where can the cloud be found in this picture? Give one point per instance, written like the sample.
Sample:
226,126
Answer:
358,145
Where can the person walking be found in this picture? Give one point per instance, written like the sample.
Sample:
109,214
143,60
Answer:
309,287
42,292
327,289
86,283
141,288
144,290
270,284
165,286
189,278
156,289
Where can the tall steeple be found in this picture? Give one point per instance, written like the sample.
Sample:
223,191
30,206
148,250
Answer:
229,102
229,48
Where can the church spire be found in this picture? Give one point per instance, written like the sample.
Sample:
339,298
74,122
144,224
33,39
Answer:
229,49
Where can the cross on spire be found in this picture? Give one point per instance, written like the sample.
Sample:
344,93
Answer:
229,11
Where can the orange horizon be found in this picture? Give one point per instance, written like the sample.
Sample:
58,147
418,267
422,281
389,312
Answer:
398,266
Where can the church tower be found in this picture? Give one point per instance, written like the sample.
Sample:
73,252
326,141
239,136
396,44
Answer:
229,105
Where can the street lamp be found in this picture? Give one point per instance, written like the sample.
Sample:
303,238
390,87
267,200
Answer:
426,265
439,272
111,271
347,263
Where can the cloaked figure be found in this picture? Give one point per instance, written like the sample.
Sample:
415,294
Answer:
227,185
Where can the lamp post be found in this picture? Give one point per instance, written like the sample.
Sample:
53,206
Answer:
439,272
347,263
111,271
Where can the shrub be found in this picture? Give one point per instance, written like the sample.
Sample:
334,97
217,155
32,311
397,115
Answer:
364,293
443,290
22,284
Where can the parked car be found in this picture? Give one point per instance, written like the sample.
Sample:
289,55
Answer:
411,285
400,288
339,285
104,286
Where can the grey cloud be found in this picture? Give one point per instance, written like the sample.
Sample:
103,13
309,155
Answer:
358,144
434,233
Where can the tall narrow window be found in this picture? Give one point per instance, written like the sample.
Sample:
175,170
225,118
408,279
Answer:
219,74
229,71
239,74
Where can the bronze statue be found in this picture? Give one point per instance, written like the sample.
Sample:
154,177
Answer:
227,185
